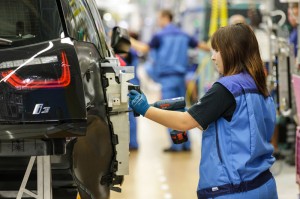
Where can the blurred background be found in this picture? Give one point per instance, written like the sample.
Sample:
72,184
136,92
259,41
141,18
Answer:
155,173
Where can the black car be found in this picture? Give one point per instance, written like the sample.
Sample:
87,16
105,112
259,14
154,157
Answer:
62,93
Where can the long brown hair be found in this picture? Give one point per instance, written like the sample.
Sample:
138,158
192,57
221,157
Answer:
240,52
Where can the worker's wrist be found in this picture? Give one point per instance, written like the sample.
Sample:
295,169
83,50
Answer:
144,109
147,112
132,41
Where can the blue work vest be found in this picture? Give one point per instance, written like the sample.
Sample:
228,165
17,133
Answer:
238,150
171,58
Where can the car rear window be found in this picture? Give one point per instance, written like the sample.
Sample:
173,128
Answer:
25,22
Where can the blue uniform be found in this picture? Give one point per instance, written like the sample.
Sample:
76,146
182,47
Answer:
169,49
237,154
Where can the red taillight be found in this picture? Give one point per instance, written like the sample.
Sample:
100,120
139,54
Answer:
20,83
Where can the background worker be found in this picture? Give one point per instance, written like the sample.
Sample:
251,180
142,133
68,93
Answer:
236,18
169,48
237,116
293,12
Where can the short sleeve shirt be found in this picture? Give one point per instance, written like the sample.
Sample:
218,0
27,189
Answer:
156,39
217,102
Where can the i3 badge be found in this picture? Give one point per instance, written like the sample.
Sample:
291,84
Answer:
39,108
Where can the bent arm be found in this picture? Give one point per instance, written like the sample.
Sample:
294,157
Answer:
172,119
139,46
204,46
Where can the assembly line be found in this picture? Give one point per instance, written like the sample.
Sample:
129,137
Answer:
140,99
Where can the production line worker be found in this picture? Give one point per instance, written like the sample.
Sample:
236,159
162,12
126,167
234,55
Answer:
168,49
237,116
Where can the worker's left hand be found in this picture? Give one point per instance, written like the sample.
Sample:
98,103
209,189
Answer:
138,102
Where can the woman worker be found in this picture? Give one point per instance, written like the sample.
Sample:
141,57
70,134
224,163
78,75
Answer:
237,116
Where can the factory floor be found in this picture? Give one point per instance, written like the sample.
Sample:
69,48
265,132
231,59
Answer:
158,175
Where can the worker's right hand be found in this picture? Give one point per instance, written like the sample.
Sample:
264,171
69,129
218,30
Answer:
138,102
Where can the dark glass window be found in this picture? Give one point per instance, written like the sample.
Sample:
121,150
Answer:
79,22
27,22
100,28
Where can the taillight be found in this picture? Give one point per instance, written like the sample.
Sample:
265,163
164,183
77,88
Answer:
32,83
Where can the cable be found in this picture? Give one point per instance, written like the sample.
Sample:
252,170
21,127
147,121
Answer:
223,13
213,17
282,14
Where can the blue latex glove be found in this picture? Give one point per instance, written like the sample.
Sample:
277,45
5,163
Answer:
138,102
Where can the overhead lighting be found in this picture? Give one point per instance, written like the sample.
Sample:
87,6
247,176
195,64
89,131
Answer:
107,16
123,24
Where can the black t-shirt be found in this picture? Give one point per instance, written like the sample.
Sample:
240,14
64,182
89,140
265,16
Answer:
217,102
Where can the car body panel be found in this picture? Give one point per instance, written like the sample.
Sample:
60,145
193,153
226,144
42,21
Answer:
59,86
